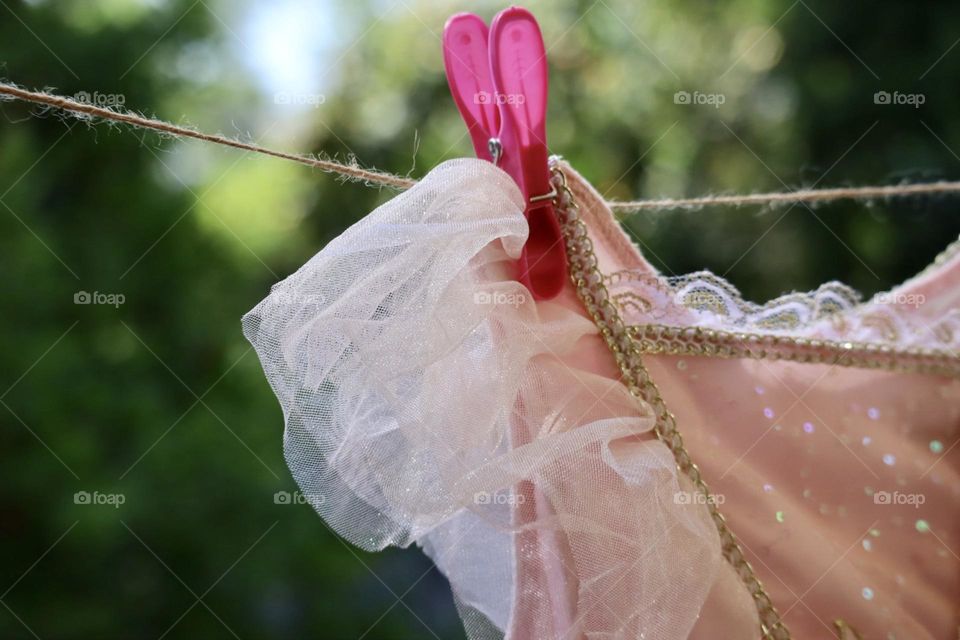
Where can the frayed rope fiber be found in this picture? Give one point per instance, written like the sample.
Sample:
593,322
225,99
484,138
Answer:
352,171
349,171
791,197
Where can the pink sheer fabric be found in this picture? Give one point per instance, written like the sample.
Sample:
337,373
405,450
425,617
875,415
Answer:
429,400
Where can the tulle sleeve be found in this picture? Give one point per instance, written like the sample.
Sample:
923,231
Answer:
429,399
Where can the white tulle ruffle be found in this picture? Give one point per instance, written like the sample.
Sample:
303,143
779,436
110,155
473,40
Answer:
428,399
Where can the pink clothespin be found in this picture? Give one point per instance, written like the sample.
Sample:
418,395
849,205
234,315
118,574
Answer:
499,81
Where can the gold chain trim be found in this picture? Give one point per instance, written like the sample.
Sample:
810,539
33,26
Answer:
845,631
697,341
588,281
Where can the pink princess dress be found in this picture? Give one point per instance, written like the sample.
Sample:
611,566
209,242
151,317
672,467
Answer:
533,449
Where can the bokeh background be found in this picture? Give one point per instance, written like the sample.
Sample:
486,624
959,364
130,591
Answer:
160,403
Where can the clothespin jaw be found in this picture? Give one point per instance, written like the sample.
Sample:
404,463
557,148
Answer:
504,103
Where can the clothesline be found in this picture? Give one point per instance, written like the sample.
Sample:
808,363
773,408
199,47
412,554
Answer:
353,171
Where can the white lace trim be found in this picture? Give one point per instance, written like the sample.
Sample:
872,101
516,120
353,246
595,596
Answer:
832,311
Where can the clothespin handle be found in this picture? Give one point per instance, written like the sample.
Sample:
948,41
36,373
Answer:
518,64
467,61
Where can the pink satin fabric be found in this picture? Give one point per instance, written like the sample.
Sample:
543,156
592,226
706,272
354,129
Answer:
842,484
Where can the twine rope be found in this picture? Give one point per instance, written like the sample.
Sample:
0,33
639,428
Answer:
372,177
791,197
351,171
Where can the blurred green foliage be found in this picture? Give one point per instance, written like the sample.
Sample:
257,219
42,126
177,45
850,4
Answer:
161,400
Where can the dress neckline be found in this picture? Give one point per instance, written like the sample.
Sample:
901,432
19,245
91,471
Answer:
921,312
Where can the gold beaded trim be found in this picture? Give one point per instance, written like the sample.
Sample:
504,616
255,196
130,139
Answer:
845,631
590,288
697,341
